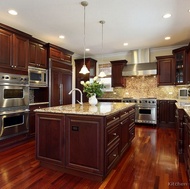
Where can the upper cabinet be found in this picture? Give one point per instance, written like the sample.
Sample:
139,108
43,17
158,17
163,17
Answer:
181,66
37,53
182,61
117,79
14,47
91,65
165,67
60,54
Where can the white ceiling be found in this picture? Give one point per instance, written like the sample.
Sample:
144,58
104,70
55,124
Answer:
137,22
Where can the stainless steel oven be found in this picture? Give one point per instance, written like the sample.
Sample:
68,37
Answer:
146,111
13,123
14,105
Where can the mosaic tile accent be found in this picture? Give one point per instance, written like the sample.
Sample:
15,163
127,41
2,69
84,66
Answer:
143,86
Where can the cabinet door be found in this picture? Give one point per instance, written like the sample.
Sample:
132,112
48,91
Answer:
166,70
117,79
61,84
67,86
6,46
50,138
37,55
167,113
41,58
32,118
20,52
84,144
56,87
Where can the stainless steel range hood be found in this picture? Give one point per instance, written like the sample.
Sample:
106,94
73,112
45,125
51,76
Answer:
140,64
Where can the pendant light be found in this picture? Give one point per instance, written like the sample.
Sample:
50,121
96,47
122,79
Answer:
84,69
102,74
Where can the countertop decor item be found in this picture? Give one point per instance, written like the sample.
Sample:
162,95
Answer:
93,87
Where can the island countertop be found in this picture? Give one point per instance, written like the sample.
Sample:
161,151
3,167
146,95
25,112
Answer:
101,109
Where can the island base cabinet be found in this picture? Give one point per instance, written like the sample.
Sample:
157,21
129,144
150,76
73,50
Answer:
84,144
50,138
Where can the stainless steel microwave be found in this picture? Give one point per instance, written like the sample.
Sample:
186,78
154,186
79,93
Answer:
38,77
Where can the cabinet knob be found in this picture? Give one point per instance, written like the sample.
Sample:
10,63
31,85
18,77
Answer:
121,123
114,155
114,117
114,134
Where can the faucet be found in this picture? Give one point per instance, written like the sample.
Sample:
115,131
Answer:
76,89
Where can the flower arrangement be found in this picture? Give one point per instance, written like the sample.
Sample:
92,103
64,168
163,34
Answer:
94,87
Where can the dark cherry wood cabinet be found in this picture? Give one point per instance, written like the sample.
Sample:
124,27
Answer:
37,53
84,145
13,50
182,66
187,70
117,79
91,65
166,110
6,47
50,139
187,144
61,84
60,54
60,75
180,133
166,70
32,117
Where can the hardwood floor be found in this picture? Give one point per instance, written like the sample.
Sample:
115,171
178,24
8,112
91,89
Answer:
150,163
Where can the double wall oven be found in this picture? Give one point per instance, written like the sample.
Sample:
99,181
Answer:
14,105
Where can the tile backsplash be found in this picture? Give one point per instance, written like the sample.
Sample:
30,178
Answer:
143,86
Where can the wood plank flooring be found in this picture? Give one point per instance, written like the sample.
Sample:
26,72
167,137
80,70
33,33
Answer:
150,163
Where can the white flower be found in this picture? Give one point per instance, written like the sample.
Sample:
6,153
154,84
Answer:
95,78
82,82
88,82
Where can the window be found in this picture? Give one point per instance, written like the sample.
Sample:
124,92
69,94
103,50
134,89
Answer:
106,68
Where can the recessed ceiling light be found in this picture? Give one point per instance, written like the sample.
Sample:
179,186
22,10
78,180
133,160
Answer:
168,15
189,10
167,38
125,44
87,49
61,36
12,12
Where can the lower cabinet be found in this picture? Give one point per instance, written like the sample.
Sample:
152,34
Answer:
187,144
32,117
84,145
166,111
50,148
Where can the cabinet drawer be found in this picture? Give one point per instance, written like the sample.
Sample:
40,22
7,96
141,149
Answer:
112,119
112,157
124,113
131,133
112,135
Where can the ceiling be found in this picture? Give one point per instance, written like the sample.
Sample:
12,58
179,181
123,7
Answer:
138,23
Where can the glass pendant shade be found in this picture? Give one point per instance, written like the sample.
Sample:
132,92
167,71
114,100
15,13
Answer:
84,69
102,74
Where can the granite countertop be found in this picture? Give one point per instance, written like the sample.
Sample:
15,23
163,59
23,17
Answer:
101,109
184,104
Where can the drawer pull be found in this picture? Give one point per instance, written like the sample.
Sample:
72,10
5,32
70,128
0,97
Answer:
114,155
114,134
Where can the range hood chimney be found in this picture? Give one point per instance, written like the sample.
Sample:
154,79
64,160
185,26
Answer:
140,64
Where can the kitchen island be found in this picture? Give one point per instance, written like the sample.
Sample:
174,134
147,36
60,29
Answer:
86,141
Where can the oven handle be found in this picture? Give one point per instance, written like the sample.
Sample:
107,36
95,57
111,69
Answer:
15,112
143,107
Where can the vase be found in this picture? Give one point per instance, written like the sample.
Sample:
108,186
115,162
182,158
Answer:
93,100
